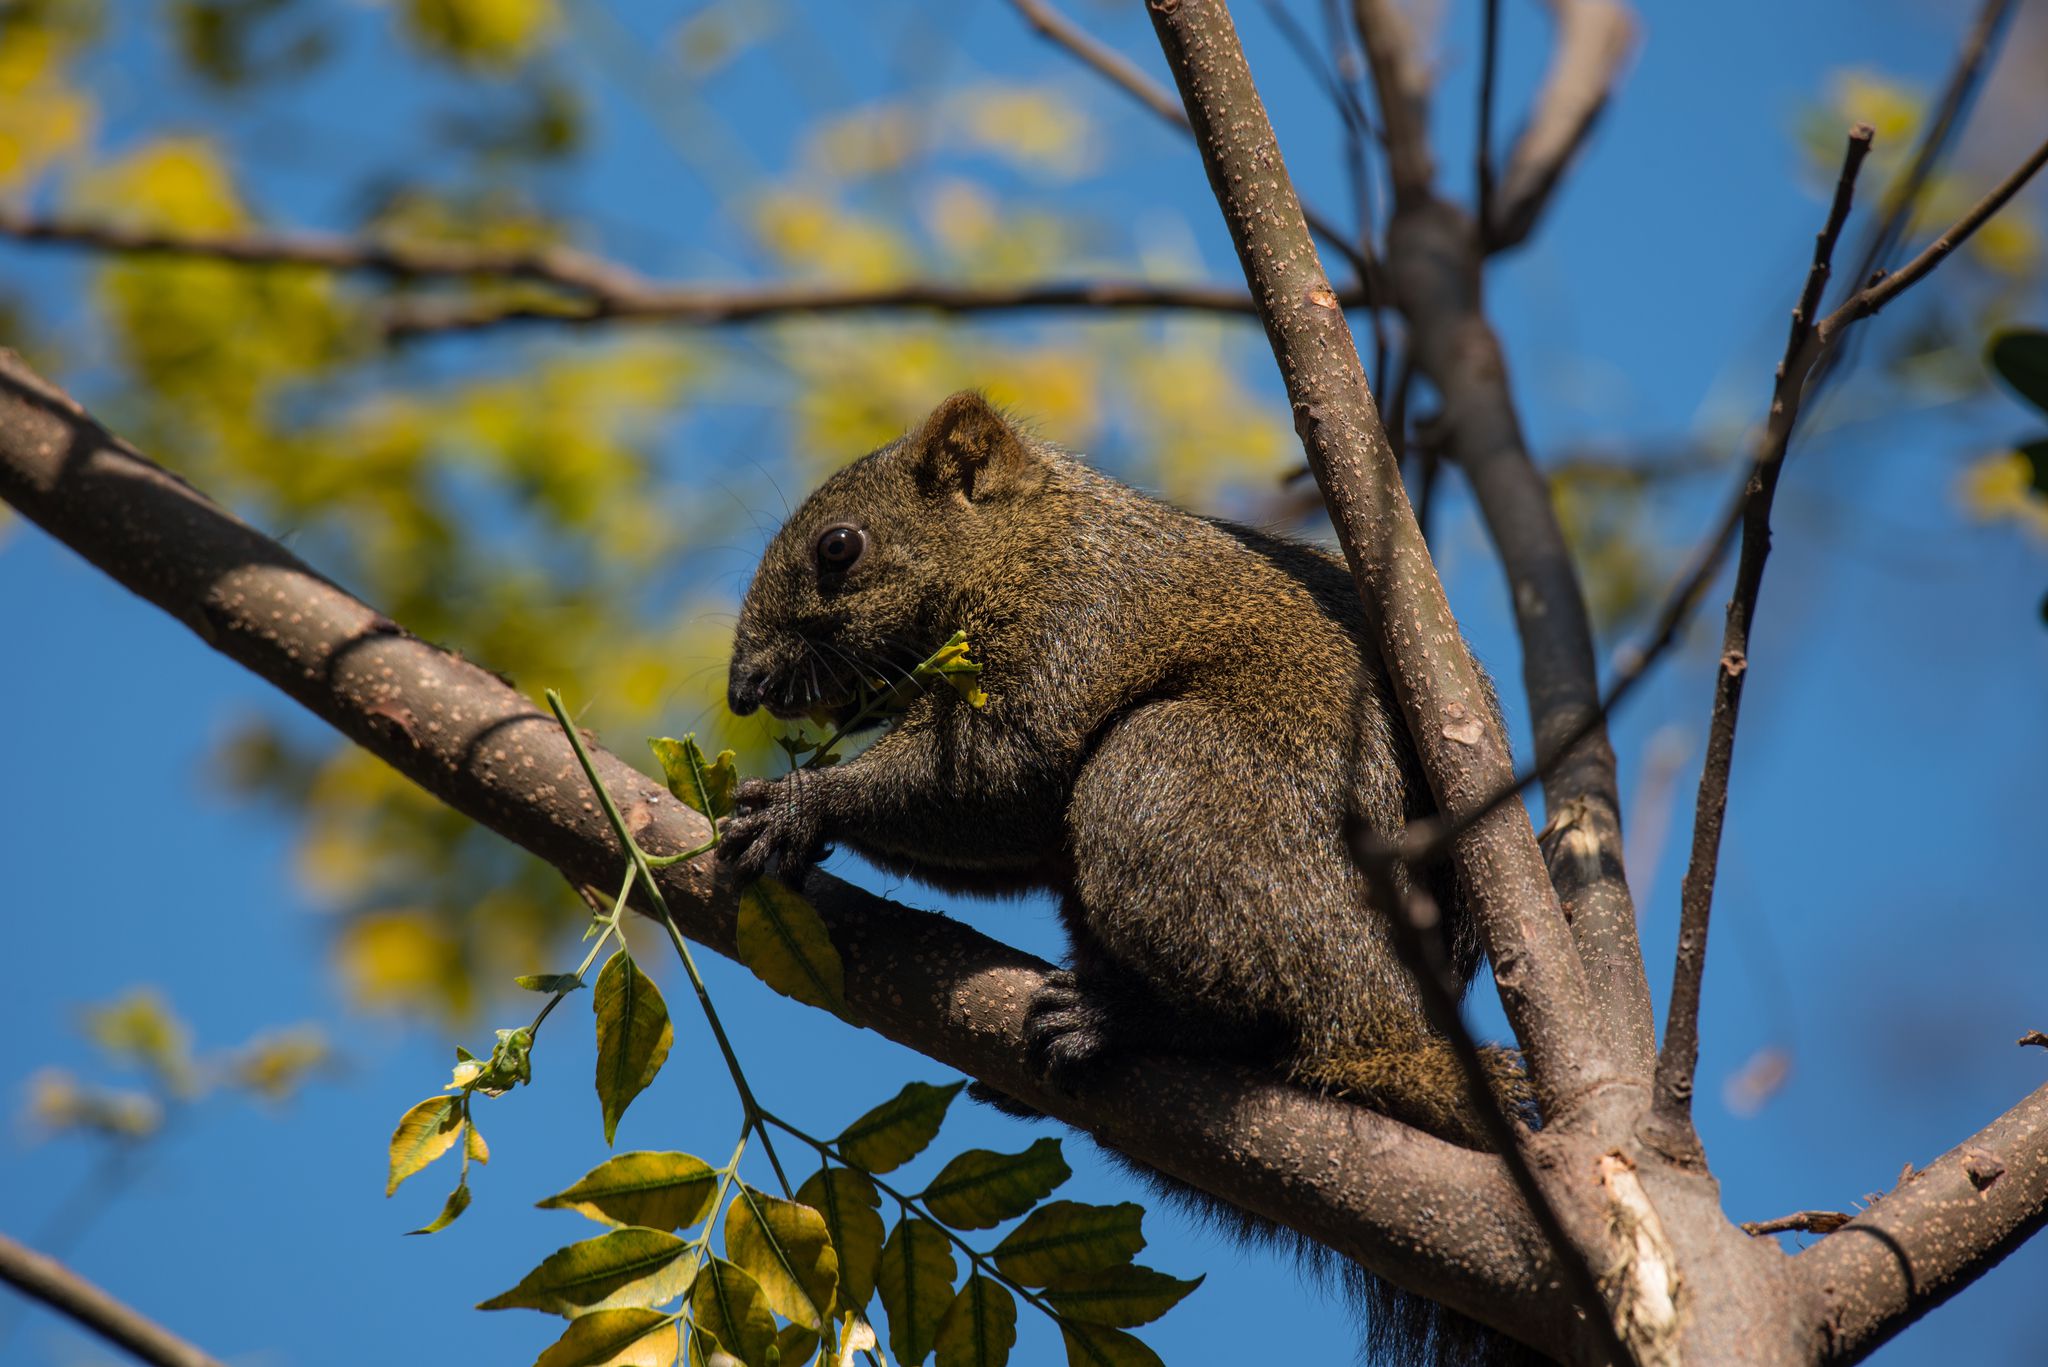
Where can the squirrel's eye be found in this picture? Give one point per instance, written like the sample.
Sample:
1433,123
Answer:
839,547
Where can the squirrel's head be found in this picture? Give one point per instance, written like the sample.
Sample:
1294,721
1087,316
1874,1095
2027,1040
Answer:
856,587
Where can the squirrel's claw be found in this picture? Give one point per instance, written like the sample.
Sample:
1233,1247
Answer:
772,826
1067,1030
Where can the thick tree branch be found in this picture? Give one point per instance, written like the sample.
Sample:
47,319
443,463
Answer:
1443,697
1121,72
1441,1221
57,1286
1942,1228
1594,40
1435,265
1401,77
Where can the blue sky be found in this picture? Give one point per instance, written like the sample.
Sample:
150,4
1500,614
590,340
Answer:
1879,913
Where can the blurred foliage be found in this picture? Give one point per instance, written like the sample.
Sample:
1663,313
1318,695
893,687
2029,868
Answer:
562,507
140,1033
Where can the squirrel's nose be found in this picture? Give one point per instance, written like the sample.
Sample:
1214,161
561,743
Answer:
746,690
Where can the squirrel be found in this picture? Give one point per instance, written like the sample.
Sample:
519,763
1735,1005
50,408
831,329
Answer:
1183,719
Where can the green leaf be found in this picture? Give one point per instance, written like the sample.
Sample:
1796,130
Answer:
633,1035
2021,359
916,1282
980,1327
548,982
600,1336
424,1133
1095,1345
784,942
796,1345
897,1130
658,1190
789,1251
981,1188
624,1267
457,1202
730,1306
1063,1237
473,1146
705,786
848,1202
1118,1296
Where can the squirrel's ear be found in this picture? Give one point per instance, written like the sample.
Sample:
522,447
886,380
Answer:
967,447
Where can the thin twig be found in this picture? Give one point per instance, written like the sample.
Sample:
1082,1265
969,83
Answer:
705,306
1121,72
57,1286
562,267
1418,940
1680,1054
1803,1221
1489,60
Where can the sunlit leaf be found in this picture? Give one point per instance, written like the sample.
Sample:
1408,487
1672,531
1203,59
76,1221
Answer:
657,1190
451,1210
1063,1237
916,1282
981,1188
730,1305
850,1204
633,1035
897,1130
599,1337
626,1266
788,1249
705,786
473,1146
424,1133
781,938
1118,1296
980,1326
487,33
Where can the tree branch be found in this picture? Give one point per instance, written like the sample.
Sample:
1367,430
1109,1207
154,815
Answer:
1402,79
1594,40
1680,1055
57,1286
1121,72
1441,1221
1435,265
1943,1227
708,305
1806,348
601,292
1444,701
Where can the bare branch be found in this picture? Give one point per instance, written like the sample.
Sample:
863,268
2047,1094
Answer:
1680,1054
1443,698
1937,1232
710,305
1594,40
1803,1221
1402,79
1489,63
558,266
1435,263
1442,1221
57,1286
1121,72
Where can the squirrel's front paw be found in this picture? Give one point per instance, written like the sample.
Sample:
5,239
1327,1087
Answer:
1068,1031
775,822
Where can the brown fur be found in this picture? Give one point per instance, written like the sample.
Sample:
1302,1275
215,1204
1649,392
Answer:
1184,716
